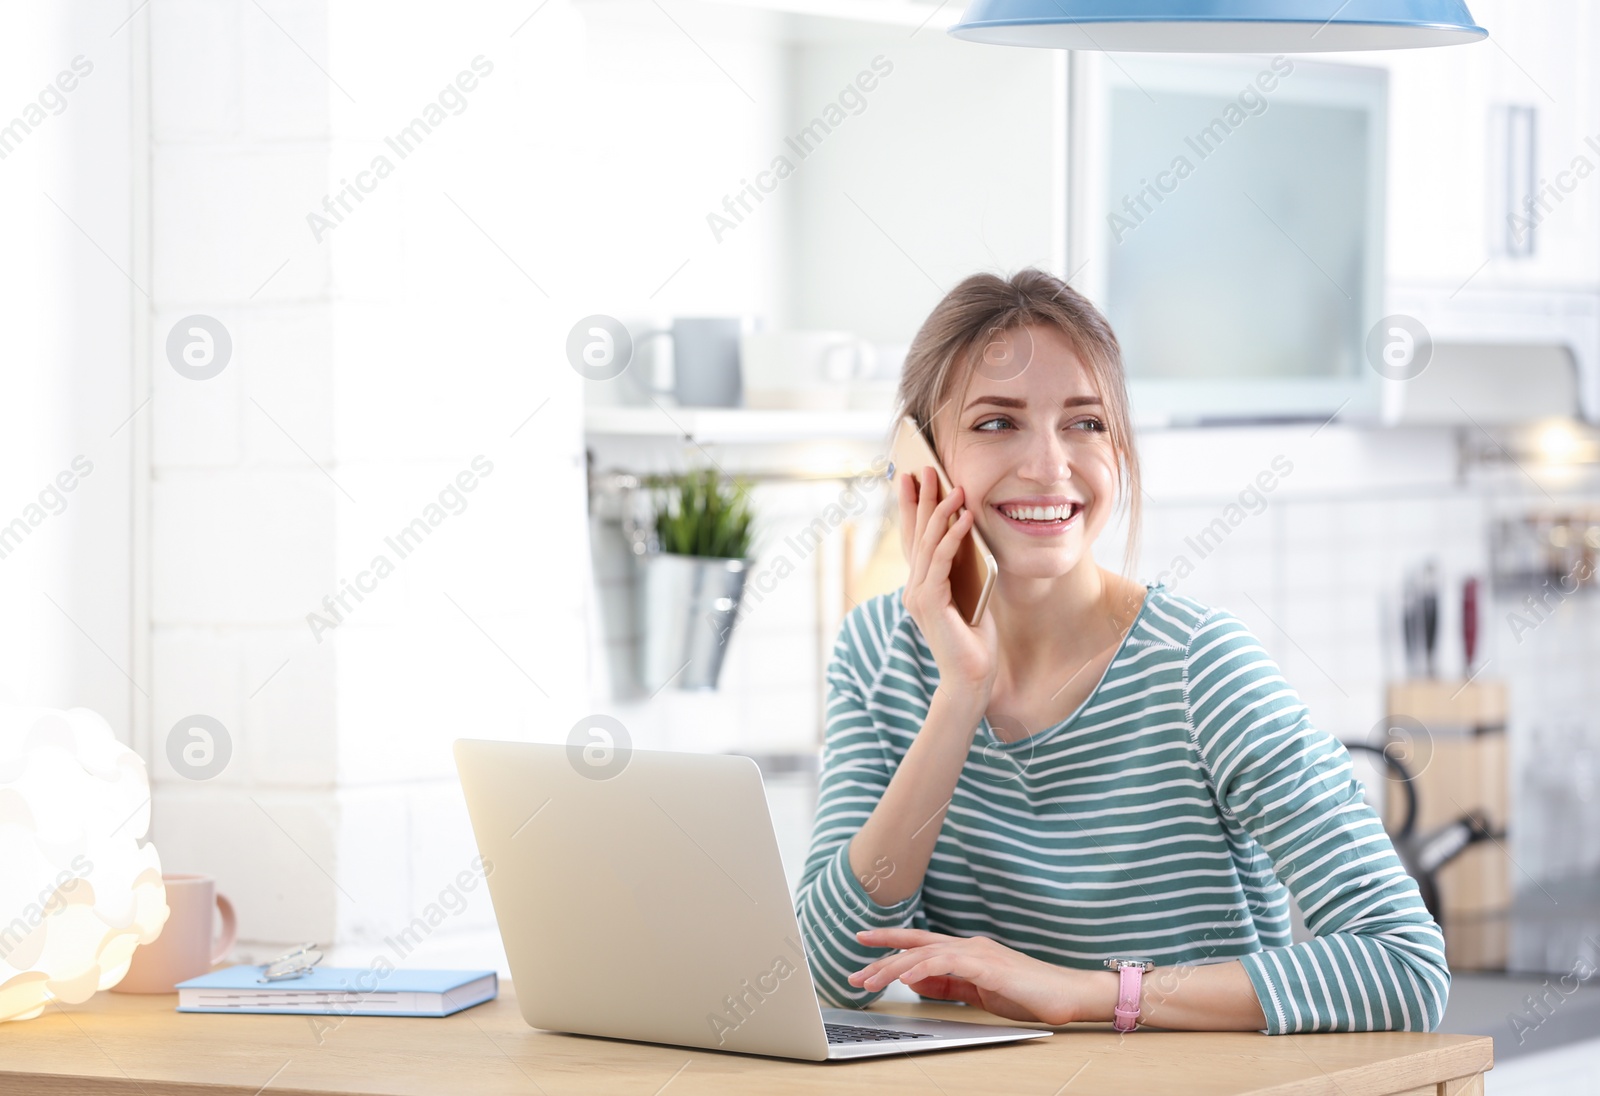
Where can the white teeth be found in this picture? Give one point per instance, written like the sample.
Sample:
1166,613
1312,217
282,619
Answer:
1038,513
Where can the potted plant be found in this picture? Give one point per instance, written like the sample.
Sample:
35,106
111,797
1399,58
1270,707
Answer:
693,579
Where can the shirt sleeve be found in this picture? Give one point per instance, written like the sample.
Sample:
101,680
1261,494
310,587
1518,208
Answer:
1377,959
832,904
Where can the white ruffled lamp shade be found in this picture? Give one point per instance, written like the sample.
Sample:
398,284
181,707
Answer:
78,890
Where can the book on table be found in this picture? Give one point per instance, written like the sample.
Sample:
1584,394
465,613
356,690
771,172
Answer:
340,991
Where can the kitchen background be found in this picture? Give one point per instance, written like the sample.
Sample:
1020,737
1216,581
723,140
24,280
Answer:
614,158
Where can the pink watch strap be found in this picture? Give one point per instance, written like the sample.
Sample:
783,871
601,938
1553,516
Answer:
1127,1010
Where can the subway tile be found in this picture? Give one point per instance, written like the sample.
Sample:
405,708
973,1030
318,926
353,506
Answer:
1311,615
290,705
780,719
1309,526
375,862
224,220
284,358
285,95
194,423
240,548
400,400
779,659
644,719
194,71
1308,572
444,851
695,721
198,672
272,853
406,693
367,234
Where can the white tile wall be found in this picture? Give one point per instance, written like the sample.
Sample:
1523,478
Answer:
195,425
226,215
240,547
194,60
290,690
370,863
370,367
273,853
268,406
201,672
282,95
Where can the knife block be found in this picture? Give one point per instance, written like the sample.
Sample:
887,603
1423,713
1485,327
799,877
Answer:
1460,763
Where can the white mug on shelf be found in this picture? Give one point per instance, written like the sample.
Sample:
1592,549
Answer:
705,360
880,386
803,370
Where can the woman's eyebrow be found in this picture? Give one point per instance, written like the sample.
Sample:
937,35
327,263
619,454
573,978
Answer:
1012,401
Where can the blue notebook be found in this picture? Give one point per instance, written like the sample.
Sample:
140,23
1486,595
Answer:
340,991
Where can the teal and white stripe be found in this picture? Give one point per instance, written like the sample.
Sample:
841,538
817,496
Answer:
1164,818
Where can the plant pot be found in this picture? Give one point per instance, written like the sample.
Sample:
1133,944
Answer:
687,606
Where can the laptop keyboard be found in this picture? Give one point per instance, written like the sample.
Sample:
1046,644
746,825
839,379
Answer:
850,1033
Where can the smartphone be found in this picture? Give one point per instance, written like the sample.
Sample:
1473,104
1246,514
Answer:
973,571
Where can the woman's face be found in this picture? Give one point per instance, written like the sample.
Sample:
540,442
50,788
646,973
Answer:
1029,445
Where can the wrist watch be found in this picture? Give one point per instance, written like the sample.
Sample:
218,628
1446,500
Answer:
1130,975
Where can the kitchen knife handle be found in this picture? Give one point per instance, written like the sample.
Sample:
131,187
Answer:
1469,622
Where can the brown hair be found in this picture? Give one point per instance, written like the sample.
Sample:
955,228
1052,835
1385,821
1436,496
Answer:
968,320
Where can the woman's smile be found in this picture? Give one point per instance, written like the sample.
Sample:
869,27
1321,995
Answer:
1050,527
1041,517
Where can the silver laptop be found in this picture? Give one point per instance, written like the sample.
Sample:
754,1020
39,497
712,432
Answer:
640,895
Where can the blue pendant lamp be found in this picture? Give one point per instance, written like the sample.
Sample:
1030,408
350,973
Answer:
1219,26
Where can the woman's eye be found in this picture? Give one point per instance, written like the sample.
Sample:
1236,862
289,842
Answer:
1092,424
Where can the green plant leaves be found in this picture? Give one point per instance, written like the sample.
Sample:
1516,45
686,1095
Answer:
701,515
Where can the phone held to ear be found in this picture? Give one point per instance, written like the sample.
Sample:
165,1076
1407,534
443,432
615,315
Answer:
973,570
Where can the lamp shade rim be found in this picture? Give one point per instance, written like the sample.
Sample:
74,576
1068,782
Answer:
1152,24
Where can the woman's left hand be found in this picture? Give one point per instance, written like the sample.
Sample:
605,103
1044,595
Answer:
976,970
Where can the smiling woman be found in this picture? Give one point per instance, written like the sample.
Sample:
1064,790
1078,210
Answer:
1099,773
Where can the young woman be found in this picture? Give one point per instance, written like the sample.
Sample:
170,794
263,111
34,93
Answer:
1099,770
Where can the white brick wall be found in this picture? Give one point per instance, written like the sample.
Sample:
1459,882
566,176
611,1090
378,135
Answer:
370,367
271,852
244,546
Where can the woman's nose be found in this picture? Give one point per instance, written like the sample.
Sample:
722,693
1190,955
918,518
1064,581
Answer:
1046,459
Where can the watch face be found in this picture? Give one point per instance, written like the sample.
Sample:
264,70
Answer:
1118,964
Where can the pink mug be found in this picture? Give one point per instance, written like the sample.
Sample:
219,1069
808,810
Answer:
186,947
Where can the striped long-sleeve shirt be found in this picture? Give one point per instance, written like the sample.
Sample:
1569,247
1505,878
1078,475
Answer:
1164,819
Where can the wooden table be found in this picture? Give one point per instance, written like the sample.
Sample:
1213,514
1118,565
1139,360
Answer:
132,1045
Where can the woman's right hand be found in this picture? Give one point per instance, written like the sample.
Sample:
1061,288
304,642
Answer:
967,655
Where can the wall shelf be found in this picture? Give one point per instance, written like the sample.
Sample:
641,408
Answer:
735,425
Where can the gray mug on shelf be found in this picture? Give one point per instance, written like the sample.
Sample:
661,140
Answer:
705,361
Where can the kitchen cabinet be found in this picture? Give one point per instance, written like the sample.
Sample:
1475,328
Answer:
1227,213
1452,177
